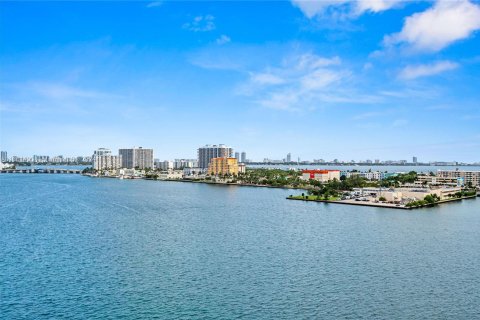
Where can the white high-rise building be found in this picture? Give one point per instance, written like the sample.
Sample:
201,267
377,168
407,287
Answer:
104,160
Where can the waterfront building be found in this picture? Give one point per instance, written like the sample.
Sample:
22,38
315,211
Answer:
4,156
410,194
320,175
106,162
164,165
40,159
208,152
468,177
185,163
369,175
102,152
170,175
136,158
193,172
289,157
414,160
222,166
243,157
242,168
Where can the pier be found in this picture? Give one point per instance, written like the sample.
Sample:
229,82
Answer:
44,170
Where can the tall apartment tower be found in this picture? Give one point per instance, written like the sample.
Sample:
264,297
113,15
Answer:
206,153
237,156
102,152
103,159
4,156
289,157
136,158
244,157
414,159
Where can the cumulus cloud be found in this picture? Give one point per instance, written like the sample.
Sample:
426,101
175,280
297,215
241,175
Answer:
438,27
298,82
425,70
201,24
223,39
348,8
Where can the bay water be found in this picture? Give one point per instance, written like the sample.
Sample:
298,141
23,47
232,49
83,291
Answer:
74,247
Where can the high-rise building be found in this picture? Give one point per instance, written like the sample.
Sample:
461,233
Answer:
136,158
4,157
237,156
102,152
223,165
244,157
289,157
106,162
208,152
103,159
414,160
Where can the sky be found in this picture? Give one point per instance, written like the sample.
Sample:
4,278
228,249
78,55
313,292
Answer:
351,80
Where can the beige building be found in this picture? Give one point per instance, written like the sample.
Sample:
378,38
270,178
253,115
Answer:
222,166
399,194
466,177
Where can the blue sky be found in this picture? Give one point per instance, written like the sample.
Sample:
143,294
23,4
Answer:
320,79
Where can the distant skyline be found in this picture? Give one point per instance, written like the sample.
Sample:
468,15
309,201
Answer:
349,80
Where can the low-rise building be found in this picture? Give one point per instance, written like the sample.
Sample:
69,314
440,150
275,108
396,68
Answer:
242,168
321,175
414,193
170,175
193,172
222,166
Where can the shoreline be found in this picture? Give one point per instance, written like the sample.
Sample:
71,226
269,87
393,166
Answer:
386,205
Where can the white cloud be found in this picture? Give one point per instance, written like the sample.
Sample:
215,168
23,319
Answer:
223,39
61,91
375,5
305,82
266,79
438,27
425,70
201,24
347,8
311,8
154,4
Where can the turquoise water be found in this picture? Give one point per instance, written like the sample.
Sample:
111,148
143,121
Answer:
73,247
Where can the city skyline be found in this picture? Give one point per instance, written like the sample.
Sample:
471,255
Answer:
314,79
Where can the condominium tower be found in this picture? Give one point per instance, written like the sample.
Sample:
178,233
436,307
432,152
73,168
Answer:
244,157
208,152
104,160
136,158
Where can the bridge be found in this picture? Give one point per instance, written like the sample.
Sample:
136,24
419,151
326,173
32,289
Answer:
45,170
